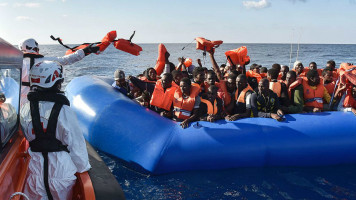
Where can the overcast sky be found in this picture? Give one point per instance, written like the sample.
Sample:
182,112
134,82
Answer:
180,21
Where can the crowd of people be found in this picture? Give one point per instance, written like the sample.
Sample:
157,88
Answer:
192,93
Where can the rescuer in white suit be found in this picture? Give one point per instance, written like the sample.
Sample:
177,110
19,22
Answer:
57,146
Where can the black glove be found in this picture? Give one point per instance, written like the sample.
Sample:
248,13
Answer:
91,49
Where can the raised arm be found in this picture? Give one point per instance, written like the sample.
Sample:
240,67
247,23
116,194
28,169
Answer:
215,65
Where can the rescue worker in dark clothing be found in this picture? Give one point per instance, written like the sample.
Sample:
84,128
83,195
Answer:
211,105
242,99
265,102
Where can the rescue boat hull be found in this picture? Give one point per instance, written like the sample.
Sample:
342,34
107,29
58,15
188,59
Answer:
116,125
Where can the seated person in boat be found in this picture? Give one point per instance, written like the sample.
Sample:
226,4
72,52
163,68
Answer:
253,75
221,83
313,65
198,77
149,75
231,88
265,102
144,99
186,103
242,99
120,82
328,80
177,76
295,94
314,92
163,94
211,106
277,87
299,69
331,64
283,74
263,72
348,100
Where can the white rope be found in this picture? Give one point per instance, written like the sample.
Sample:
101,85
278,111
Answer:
291,50
19,193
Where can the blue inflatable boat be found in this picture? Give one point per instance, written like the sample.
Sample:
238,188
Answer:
116,125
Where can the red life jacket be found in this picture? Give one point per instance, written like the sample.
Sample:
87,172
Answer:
127,46
163,99
207,45
349,99
313,98
330,87
183,107
161,60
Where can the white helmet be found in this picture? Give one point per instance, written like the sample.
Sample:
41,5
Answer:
29,46
45,74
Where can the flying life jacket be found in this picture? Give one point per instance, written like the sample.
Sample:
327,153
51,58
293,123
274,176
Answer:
163,99
161,60
207,45
32,57
276,87
222,92
241,98
128,46
183,107
313,98
188,62
237,56
253,74
211,110
46,140
349,99
105,42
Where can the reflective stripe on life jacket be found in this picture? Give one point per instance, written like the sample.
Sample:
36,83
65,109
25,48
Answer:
241,97
183,107
276,87
207,45
210,109
163,99
238,56
313,98
161,60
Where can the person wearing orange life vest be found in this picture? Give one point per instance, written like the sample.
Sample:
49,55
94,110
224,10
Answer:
283,74
186,103
177,76
295,94
211,106
163,94
211,80
348,100
313,65
231,88
328,80
242,99
299,69
263,72
332,66
253,75
198,78
314,92
277,87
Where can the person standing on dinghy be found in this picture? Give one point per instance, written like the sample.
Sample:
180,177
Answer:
57,146
32,56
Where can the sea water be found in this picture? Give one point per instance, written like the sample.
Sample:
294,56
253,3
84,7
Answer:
324,182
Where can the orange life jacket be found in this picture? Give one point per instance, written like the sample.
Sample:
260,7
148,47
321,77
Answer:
238,56
211,109
313,98
127,46
161,60
105,42
145,79
253,74
330,87
204,44
241,97
222,92
188,62
163,99
263,75
183,107
276,87
303,74
349,99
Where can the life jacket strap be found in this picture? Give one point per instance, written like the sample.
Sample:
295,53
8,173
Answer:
317,99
